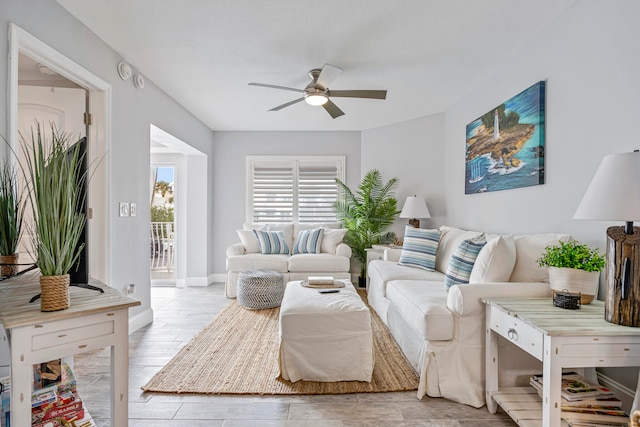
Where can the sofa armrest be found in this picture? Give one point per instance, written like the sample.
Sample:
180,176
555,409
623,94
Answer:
466,300
392,254
235,249
343,250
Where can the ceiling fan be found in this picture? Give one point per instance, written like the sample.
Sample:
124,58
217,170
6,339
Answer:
317,92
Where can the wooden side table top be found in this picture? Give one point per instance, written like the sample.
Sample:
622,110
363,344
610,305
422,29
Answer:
555,321
17,311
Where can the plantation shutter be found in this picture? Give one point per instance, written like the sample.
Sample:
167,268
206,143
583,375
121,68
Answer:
317,192
272,199
284,189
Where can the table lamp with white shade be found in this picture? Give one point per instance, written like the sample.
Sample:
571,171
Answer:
614,195
414,208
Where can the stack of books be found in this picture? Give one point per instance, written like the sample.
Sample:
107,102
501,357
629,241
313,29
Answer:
586,404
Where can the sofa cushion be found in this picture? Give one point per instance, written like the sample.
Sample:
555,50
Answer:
331,238
287,229
308,241
462,260
249,241
449,241
529,248
419,248
495,261
385,271
318,263
271,242
424,306
277,263
298,227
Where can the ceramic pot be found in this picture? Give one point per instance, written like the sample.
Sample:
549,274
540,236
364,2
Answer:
54,293
8,270
574,281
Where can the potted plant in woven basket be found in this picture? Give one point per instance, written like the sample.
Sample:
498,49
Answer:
573,267
11,210
53,168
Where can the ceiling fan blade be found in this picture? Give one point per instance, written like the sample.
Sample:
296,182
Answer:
373,94
333,109
327,75
280,107
276,87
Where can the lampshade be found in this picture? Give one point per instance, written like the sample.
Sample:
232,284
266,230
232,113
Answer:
614,192
316,99
415,207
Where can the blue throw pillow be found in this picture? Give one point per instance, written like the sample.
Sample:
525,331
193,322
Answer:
271,242
419,248
462,260
308,241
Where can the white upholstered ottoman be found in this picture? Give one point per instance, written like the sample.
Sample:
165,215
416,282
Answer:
325,336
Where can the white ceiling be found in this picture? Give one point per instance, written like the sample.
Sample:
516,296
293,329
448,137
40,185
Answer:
426,53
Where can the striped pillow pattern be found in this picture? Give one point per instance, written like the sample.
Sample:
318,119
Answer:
308,242
419,248
462,260
271,242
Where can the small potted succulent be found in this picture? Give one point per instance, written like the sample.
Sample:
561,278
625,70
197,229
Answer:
574,267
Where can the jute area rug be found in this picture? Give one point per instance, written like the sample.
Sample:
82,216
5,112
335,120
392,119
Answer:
237,353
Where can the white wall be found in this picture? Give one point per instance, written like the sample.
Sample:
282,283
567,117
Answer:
133,110
229,175
411,151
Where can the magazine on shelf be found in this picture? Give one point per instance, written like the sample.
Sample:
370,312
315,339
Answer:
575,387
595,418
578,423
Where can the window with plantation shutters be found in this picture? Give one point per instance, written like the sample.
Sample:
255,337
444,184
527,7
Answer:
293,189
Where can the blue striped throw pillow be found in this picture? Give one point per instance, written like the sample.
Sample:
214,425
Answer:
462,260
308,242
271,242
419,248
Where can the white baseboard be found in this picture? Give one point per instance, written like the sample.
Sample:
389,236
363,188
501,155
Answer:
195,282
623,392
217,278
140,320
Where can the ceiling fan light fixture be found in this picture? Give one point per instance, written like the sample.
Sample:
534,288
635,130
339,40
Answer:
316,99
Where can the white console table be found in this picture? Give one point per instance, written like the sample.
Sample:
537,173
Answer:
560,339
93,321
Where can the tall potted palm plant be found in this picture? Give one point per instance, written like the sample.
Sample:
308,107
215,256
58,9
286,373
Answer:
53,169
11,210
366,214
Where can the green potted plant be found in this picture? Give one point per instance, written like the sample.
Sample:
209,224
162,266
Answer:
575,267
53,169
11,217
366,215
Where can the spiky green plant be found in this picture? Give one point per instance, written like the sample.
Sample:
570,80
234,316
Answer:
367,214
11,209
52,171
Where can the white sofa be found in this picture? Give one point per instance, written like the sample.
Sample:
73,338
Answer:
442,332
333,259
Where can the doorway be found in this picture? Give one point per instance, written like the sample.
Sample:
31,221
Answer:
162,226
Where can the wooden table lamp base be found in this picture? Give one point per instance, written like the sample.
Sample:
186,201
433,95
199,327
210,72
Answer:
622,303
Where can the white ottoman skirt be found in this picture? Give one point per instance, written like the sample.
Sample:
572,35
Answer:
325,337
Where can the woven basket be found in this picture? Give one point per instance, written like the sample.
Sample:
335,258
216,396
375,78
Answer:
260,289
8,270
54,293
635,419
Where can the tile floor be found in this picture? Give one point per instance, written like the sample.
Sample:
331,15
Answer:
179,314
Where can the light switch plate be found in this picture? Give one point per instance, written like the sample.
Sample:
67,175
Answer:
133,209
124,209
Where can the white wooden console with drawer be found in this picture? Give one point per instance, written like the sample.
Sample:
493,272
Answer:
558,337
93,321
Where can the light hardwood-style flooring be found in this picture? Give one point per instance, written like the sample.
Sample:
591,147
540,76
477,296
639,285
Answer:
181,313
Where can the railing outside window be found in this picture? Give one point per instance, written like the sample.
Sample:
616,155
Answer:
162,245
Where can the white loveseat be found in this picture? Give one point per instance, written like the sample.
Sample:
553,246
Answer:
442,332
333,259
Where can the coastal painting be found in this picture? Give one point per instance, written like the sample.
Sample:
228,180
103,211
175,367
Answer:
505,146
